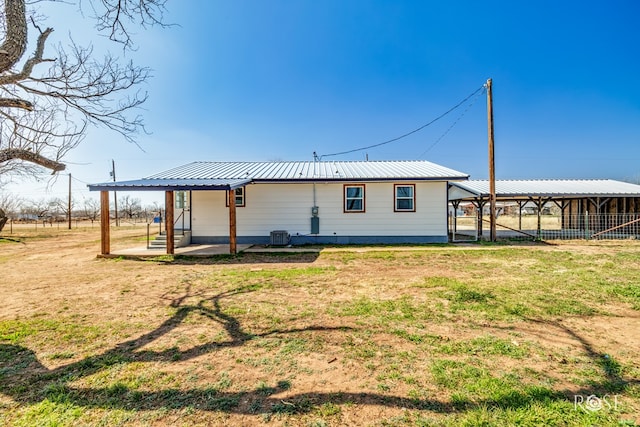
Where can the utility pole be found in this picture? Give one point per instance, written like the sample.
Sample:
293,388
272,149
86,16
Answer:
115,194
492,165
69,209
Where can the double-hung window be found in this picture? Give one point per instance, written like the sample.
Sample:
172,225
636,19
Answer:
240,197
354,198
405,198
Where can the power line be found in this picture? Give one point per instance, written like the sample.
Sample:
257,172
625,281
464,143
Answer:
480,89
80,181
455,122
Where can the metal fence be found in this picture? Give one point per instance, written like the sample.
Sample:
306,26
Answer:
548,227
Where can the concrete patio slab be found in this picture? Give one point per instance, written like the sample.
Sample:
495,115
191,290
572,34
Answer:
191,250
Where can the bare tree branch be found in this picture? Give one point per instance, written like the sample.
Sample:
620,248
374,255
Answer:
15,42
116,16
16,103
45,112
29,156
27,69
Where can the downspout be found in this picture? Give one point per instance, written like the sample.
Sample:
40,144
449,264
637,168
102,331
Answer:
315,157
314,208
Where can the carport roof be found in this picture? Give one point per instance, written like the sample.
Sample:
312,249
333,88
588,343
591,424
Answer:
555,188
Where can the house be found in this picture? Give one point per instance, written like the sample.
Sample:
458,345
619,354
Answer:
325,202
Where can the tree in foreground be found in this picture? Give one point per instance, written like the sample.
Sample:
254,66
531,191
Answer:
50,96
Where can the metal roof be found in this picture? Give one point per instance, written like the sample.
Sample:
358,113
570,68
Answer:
547,188
229,175
312,171
170,185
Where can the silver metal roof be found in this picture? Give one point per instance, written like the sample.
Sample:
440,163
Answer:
230,175
170,185
313,171
546,188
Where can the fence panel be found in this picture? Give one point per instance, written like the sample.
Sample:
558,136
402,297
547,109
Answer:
549,227
568,227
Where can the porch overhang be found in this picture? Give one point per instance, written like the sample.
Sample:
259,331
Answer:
168,186
220,184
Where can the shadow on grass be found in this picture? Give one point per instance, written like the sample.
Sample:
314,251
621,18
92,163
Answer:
241,258
11,240
41,384
24,379
612,379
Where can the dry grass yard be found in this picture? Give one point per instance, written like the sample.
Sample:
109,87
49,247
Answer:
442,335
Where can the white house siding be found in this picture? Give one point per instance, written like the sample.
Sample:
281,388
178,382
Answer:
288,207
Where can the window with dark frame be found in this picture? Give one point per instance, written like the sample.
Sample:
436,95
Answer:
240,197
405,198
354,198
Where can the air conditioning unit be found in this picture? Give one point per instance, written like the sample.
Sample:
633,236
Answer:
279,238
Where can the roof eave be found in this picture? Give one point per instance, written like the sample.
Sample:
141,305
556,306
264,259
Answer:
359,179
166,186
99,187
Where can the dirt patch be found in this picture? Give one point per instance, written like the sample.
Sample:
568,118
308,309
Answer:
341,338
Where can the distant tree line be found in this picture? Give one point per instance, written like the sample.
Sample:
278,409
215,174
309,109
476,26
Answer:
56,209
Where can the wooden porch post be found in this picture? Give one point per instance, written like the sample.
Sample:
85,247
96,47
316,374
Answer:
105,244
232,222
168,217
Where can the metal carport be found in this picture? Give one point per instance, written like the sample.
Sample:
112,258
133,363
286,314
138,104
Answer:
572,197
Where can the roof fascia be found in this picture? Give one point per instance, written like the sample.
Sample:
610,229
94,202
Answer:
346,179
132,186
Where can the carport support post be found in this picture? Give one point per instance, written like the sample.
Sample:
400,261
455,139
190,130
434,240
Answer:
520,202
539,230
168,218
104,223
480,205
232,222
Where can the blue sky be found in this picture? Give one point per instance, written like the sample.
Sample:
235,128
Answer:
253,80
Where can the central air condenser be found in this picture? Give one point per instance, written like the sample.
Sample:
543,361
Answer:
279,238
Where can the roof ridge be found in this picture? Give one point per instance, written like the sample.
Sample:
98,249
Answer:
310,161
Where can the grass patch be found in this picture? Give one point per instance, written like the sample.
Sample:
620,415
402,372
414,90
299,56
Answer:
486,346
438,282
442,336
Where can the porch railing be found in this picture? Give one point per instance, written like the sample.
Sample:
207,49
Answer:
182,230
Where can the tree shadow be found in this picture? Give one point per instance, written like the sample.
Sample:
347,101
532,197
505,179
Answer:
611,371
27,381
236,259
611,381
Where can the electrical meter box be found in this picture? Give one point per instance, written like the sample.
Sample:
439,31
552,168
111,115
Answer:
315,225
